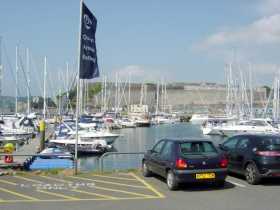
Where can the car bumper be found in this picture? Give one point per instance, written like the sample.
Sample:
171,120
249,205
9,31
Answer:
271,173
190,175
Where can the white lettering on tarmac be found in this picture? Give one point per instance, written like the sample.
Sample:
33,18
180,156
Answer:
60,186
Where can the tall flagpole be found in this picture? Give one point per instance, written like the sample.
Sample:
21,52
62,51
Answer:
78,90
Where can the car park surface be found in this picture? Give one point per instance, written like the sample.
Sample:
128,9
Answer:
236,194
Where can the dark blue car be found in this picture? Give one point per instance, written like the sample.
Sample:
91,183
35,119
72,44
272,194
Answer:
189,160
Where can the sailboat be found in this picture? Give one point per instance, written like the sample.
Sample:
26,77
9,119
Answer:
89,140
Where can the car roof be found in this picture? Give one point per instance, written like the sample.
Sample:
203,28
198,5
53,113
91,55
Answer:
189,139
257,135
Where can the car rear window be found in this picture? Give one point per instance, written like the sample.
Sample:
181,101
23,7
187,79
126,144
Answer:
269,143
193,148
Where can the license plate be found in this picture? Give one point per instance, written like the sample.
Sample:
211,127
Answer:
205,176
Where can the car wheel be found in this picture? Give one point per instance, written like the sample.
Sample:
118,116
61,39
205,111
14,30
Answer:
145,170
172,184
252,174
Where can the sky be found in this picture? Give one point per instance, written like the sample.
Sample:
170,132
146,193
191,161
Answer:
153,40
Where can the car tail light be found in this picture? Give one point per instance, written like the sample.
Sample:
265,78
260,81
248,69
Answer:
268,153
181,164
224,163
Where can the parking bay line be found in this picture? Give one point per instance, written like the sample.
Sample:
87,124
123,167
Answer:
82,199
96,194
7,182
150,187
106,182
30,180
19,194
55,179
112,177
113,190
81,191
58,195
125,192
236,183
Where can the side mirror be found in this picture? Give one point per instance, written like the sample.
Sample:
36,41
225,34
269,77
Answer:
222,147
150,151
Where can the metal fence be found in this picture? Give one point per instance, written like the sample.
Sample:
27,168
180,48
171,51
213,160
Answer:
129,154
24,163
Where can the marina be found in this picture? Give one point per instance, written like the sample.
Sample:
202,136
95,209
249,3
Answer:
139,105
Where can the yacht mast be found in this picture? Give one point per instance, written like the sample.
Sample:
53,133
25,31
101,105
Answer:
45,82
129,89
157,98
105,94
116,93
28,80
16,97
67,87
251,91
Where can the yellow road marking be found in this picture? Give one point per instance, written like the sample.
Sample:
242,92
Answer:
112,177
160,195
124,174
106,182
18,194
67,200
58,195
122,191
55,179
7,182
27,179
96,194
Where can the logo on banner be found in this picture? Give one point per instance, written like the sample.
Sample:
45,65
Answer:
87,21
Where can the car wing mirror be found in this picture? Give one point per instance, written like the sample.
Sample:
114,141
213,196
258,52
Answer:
150,151
222,147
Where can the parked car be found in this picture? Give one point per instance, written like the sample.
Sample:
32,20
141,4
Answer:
188,160
254,155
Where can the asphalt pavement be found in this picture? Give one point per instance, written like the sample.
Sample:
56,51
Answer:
131,191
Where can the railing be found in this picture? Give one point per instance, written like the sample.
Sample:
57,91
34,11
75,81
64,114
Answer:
101,165
24,163
33,156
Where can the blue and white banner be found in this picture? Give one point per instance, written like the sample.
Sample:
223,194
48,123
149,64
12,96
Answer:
88,56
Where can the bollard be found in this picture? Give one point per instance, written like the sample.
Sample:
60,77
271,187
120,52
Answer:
8,148
42,135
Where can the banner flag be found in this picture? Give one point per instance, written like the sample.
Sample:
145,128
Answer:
88,56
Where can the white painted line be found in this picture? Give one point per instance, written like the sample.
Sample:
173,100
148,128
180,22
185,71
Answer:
236,183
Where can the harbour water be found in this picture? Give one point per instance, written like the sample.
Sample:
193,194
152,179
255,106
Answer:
140,140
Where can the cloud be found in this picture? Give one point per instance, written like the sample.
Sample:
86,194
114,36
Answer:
268,7
261,32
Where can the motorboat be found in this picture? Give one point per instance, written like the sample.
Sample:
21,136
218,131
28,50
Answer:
164,118
198,119
127,123
89,140
255,126
51,158
83,145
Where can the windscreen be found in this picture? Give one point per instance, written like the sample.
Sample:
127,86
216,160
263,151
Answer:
270,143
193,148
